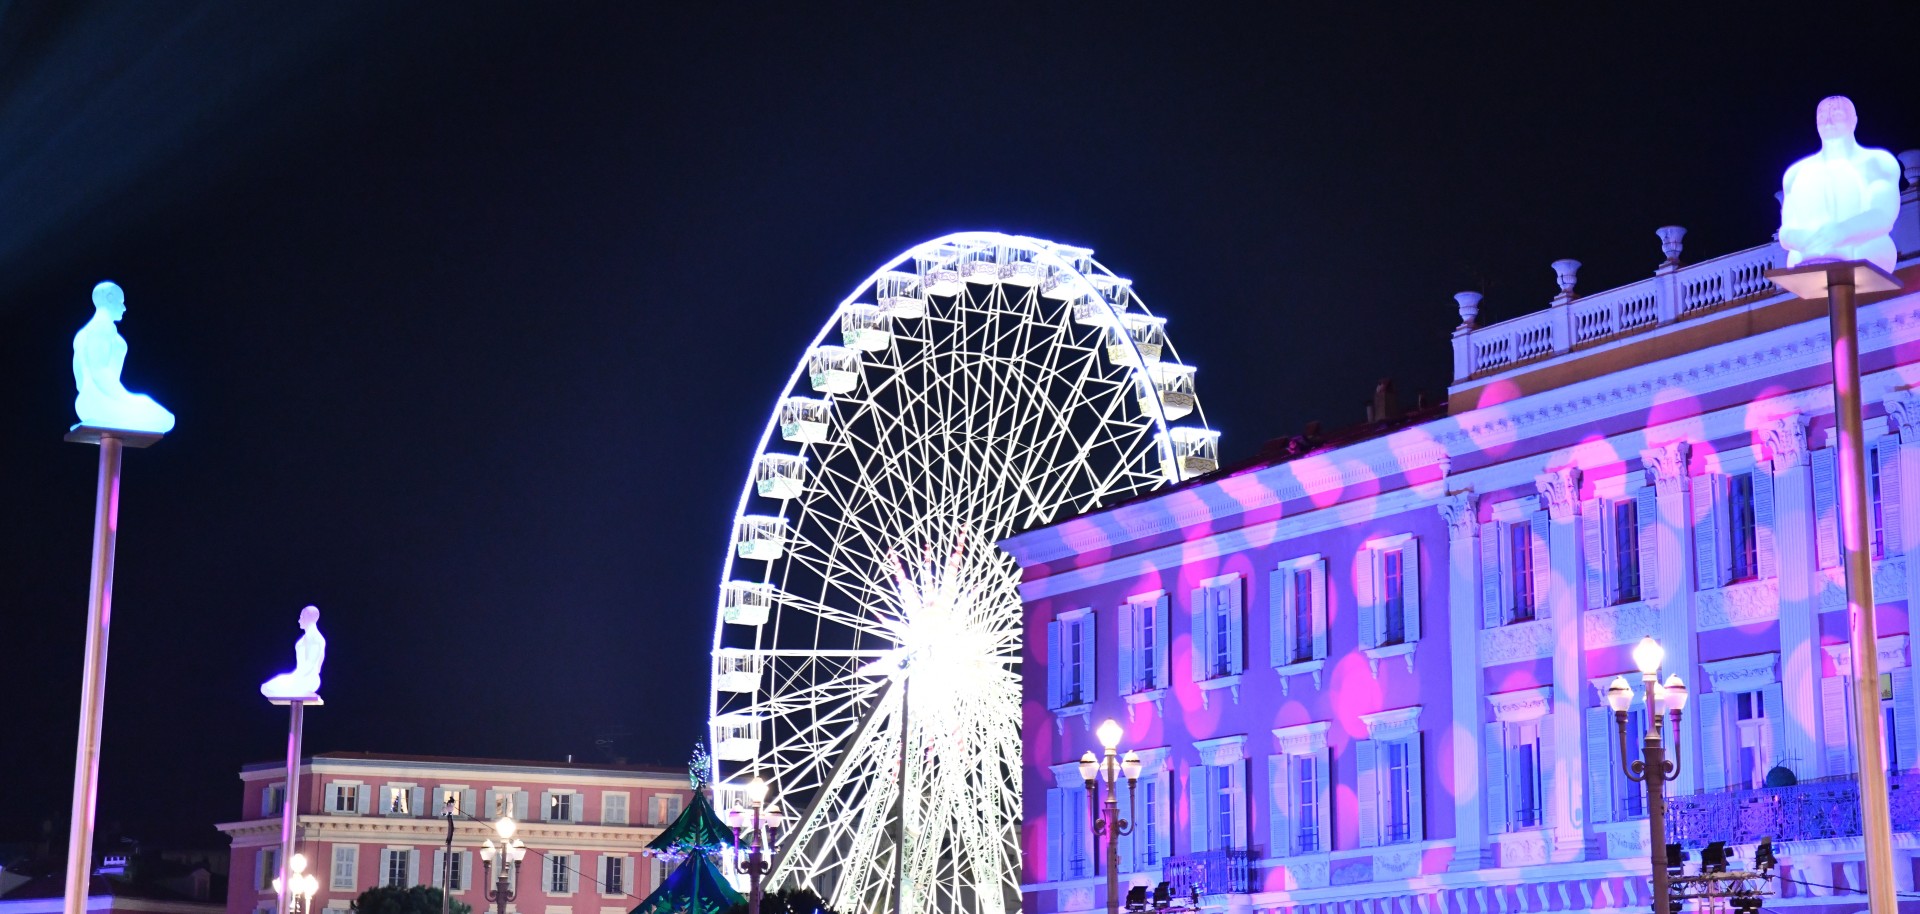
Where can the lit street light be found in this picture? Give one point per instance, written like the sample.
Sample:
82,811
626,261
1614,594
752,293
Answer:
1654,769
509,853
1110,769
303,885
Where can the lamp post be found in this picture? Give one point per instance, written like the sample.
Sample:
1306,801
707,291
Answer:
1654,768
509,853
1110,769
299,886
756,864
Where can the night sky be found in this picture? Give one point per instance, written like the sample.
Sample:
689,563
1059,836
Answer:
472,316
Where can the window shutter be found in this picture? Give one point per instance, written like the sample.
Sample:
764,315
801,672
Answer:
1090,656
266,802
440,869
1410,581
1890,532
363,796
1599,765
1197,632
467,808
1236,625
1647,514
466,870
1713,744
1319,579
1280,789
1127,629
1123,794
1903,717
1054,662
1417,782
1494,748
1198,807
413,867
1323,788
1705,555
1365,567
546,805
1056,868
520,805
418,803
1280,616
1551,804
1490,575
1367,791
1542,565
260,869
1763,519
1776,711
1826,523
1595,555
1834,721
1238,775
1161,636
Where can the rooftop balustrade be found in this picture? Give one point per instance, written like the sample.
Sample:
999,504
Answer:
1810,811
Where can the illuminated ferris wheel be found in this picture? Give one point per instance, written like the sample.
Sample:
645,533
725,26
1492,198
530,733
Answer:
867,647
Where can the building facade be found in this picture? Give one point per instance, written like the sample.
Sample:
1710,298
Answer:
1369,677
368,820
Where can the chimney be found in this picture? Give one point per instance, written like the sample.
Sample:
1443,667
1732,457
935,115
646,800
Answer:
1385,405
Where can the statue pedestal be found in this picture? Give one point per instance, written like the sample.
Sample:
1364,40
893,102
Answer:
95,434
1812,280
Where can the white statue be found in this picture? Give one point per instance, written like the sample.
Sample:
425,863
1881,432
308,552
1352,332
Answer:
308,654
98,355
1840,203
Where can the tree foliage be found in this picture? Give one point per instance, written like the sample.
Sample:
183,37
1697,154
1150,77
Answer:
788,901
417,899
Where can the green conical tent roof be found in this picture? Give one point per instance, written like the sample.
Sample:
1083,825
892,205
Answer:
698,827
694,887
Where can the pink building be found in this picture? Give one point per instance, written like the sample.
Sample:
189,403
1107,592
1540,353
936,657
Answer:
1366,674
368,820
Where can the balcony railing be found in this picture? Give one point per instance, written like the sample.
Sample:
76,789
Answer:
1218,872
1811,811
1593,319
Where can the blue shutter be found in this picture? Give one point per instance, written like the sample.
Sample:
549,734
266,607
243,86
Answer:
1713,744
1903,718
1197,806
1279,618
1599,765
1279,805
1236,625
1366,566
1834,721
1056,864
1490,602
1705,552
1647,511
1197,633
1126,628
1542,566
1089,657
1054,661
1763,514
1410,586
1591,521
1161,636
1826,523
1367,791
1494,751
1319,581
1890,532
1552,792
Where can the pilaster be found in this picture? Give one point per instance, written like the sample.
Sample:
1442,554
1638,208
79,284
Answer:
1786,438
1673,590
1560,495
1461,512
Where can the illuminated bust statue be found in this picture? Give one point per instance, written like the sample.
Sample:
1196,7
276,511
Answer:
308,654
98,355
1840,202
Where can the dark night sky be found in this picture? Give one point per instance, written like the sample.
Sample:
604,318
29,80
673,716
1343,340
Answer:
472,316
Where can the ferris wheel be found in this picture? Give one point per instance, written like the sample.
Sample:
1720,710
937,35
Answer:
867,647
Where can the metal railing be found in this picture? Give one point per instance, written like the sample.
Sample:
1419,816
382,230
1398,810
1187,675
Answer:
1217,872
1809,811
1593,319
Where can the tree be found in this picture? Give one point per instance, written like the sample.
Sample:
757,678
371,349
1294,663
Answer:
788,901
418,899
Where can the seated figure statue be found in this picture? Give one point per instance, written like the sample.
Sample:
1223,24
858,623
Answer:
1840,203
98,355
303,684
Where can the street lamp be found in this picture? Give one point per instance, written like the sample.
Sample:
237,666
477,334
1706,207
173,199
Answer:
1654,769
509,852
303,884
756,865
1110,769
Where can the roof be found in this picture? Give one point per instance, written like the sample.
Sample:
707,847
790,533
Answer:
455,761
694,887
698,826
101,886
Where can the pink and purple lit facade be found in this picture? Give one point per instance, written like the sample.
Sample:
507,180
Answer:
1369,678
369,820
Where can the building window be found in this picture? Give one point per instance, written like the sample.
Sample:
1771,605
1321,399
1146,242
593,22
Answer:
456,875
1388,784
1743,546
1143,643
560,807
1753,738
613,809
1152,816
1397,796
346,860
346,798
1520,576
271,799
559,874
1630,796
1225,802
1526,798
616,881
662,809
1303,605
1306,804
1218,626
1625,559
1068,822
398,802
269,868
1070,659
1297,617
396,868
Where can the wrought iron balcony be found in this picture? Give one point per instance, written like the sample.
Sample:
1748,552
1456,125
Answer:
1218,872
1809,811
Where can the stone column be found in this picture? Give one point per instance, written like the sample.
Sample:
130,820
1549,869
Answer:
1560,495
1460,510
1673,589
1903,416
1793,520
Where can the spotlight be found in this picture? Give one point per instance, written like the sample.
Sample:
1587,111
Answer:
1162,896
1137,898
1763,858
1676,858
1714,858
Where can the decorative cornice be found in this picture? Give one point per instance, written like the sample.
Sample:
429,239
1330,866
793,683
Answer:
1303,739
1521,704
1743,674
1394,724
1460,510
1745,603
1624,624
1224,750
1892,654
1516,642
1666,467
1903,412
1787,439
1559,492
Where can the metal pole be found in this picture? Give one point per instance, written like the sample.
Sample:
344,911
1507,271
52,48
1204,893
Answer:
900,858
754,867
446,862
1655,756
1876,818
93,678
1110,771
289,804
